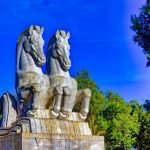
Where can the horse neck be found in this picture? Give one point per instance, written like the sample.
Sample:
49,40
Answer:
56,70
25,63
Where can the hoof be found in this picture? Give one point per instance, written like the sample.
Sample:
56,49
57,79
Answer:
62,115
54,114
31,113
82,117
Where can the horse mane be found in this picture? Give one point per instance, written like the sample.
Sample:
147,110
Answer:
48,52
20,42
25,33
53,39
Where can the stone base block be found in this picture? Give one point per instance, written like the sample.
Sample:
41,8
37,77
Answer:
51,126
45,133
30,141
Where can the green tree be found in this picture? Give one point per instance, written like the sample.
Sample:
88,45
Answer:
141,27
96,121
122,124
143,138
146,105
110,115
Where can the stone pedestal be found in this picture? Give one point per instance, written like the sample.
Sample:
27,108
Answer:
30,141
44,133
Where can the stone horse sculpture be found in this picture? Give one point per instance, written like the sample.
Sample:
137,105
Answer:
8,110
64,87
56,91
31,83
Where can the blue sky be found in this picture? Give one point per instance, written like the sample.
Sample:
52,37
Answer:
101,40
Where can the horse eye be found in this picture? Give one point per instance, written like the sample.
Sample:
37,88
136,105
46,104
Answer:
58,46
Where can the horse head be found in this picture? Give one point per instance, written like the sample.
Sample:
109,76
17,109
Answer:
60,49
36,43
32,43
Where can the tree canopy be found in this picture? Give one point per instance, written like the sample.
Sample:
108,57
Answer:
141,27
121,123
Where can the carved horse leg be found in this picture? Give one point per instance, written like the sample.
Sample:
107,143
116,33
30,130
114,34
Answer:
69,101
84,96
36,89
57,101
29,99
23,95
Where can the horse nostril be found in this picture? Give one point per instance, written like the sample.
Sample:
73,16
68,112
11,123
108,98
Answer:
67,62
43,59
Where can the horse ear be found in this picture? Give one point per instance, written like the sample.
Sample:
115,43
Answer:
63,34
57,34
42,30
68,35
31,29
37,29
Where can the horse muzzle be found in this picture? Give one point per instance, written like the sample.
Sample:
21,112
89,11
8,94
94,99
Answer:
67,66
41,61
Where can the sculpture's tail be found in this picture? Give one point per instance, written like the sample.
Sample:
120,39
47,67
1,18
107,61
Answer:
8,110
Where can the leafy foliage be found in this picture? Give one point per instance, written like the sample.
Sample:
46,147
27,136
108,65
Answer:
96,121
141,27
146,105
123,126
110,115
143,139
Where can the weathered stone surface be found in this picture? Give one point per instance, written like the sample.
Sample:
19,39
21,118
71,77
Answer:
45,124
30,141
8,107
31,84
43,132
45,113
51,134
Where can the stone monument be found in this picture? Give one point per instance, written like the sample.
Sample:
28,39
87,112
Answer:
41,116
